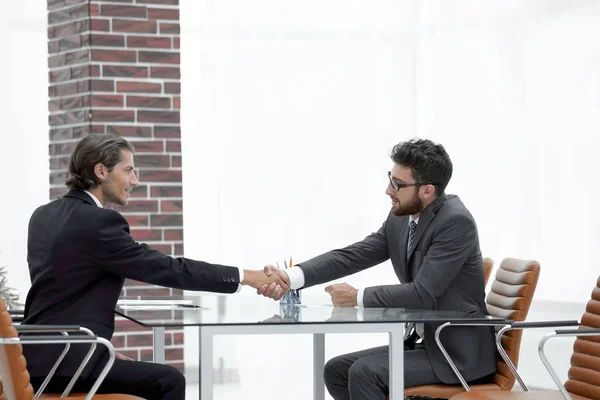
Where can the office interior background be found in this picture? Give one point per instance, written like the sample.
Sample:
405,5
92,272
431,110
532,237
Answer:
288,112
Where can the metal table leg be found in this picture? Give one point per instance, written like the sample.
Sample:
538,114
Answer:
318,366
397,362
159,344
206,363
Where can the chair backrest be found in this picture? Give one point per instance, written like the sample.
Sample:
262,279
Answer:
584,374
510,297
488,264
15,378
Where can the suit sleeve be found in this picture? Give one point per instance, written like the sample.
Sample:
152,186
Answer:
450,249
122,255
357,257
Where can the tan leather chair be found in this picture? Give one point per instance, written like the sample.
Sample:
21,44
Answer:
488,265
510,297
15,377
584,374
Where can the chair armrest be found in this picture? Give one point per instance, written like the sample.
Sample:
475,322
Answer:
56,339
481,323
543,324
17,315
68,340
525,325
505,326
30,328
63,329
546,362
578,332
438,331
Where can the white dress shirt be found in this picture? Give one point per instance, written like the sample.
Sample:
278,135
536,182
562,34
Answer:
94,198
240,270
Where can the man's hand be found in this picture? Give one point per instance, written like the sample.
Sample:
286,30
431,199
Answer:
274,318
345,314
120,356
273,285
271,291
343,295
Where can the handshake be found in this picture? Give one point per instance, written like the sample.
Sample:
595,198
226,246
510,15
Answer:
273,283
270,282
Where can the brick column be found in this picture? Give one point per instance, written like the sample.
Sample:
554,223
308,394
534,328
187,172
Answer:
114,68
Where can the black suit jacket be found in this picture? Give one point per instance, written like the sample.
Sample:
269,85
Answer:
444,271
79,255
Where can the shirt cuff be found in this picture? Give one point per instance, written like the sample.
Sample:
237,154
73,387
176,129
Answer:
296,276
241,272
359,297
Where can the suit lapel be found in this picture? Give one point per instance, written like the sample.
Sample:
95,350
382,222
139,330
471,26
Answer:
424,220
403,249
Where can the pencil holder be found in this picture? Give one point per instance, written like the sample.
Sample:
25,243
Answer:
290,312
291,297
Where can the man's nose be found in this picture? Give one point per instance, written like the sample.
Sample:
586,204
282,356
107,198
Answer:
134,181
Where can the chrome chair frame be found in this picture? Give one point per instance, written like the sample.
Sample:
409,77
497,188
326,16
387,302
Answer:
89,338
504,327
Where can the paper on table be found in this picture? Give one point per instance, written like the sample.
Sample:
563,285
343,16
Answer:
125,302
150,307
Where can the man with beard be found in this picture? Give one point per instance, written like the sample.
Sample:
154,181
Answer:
431,239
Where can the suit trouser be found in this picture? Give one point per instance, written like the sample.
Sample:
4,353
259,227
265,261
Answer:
364,375
147,380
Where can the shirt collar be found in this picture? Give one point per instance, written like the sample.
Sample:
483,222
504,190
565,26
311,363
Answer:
96,199
410,219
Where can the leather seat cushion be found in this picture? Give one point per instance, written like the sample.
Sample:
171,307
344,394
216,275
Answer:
80,396
497,395
445,391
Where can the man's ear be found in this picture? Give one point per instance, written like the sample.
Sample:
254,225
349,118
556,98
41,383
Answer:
428,191
101,171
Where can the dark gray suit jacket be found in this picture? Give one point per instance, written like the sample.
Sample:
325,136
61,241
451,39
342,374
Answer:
444,271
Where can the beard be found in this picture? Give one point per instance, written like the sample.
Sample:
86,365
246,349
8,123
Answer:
109,194
411,207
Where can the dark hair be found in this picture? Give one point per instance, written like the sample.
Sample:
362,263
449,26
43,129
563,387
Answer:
429,162
91,150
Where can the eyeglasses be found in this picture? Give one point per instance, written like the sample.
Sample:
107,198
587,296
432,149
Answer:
397,186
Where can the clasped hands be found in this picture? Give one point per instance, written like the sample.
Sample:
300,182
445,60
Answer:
273,283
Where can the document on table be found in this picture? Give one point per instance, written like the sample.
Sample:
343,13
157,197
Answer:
158,305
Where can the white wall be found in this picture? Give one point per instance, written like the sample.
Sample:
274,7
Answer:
515,99
24,137
290,108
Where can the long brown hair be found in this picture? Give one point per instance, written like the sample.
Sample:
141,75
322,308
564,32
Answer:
91,150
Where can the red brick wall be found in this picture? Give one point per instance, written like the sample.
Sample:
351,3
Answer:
114,68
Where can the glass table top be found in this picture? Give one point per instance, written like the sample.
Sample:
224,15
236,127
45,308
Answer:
157,311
